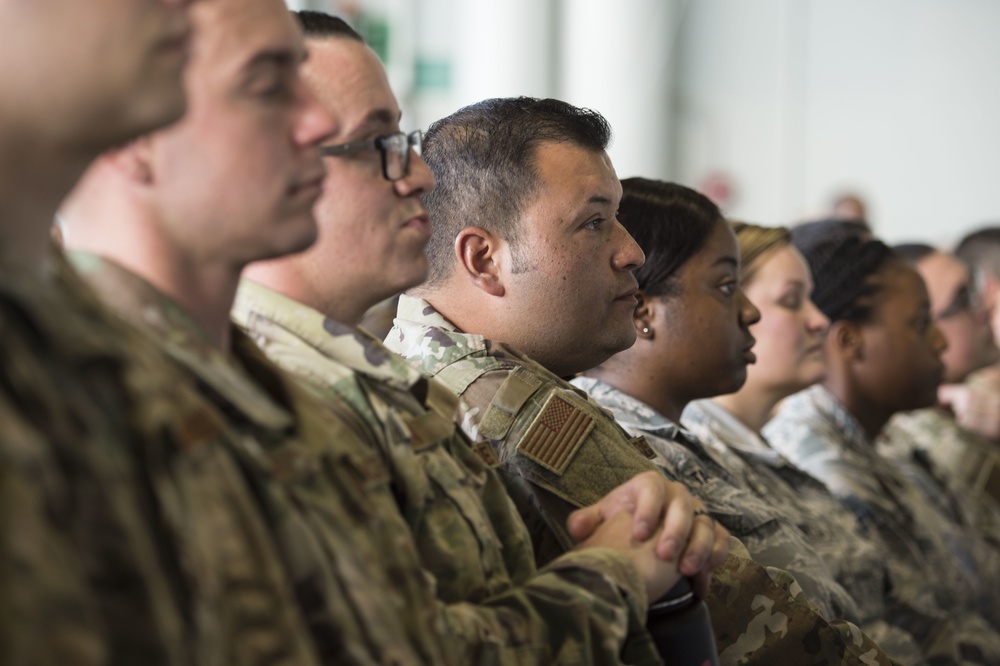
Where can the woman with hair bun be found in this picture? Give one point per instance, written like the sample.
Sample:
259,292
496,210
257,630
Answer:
883,356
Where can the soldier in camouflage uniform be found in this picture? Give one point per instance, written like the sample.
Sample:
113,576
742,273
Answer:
559,450
326,493
931,441
930,557
464,524
128,536
315,500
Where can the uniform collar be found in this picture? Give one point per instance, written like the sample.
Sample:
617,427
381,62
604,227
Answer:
173,330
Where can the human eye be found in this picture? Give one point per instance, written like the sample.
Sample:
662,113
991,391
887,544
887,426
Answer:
729,286
272,87
791,301
594,224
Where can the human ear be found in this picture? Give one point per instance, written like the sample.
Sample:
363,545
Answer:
847,339
477,251
642,316
134,161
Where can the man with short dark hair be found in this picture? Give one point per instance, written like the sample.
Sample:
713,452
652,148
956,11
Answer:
531,282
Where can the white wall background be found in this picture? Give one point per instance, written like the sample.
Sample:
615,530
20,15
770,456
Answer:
784,101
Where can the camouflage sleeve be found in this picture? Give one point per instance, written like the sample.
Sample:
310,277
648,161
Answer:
583,608
47,613
784,628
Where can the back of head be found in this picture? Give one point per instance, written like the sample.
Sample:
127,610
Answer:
980,250
670,222
318,25
755,243
913,253
842,258
483,158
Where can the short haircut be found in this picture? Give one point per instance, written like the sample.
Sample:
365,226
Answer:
843,259
671,223
913,253
320,25
756,242
484,160
980,250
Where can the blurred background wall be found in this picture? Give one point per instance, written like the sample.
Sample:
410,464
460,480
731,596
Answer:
772,107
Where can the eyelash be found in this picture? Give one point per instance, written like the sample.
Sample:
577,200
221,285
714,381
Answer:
729,288
594,224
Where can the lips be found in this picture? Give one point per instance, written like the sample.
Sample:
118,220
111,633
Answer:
421,221
748,355
310,184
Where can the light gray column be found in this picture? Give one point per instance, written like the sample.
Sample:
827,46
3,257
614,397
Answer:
617,58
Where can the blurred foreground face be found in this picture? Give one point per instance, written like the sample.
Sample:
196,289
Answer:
242,168
791,330
373,232
958,312
87,74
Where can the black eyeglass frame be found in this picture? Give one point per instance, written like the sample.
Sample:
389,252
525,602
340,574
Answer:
383,144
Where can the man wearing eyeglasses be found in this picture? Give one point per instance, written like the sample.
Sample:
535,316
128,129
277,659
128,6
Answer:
304,310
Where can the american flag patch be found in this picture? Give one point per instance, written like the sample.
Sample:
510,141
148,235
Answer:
556,434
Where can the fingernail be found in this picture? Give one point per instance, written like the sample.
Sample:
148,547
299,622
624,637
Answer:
643,529
669,550
693,564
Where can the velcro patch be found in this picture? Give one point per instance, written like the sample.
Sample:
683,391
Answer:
486,453
556,434
643,447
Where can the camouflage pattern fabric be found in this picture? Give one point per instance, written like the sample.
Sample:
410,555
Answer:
931,558
325,496
768,523
844,542
769,537
968,465
468,532
126,538
560,451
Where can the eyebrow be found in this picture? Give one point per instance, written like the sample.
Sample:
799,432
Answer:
283,57
599,199
726,260
375,119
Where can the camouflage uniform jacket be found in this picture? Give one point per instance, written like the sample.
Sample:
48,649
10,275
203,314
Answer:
967,464
831,529
325,495
771,539
468,532
928,555
126,542
759,615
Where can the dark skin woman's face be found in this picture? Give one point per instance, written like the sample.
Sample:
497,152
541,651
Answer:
900,366
703,325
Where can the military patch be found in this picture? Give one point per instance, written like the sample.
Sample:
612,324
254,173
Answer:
642,446
556,434
486,453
